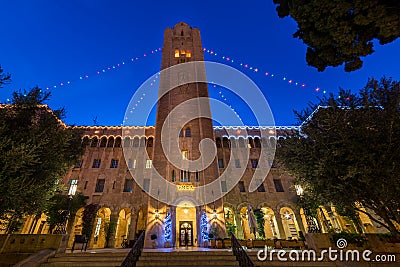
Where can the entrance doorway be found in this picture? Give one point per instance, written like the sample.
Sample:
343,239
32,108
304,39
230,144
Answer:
186,224
185,233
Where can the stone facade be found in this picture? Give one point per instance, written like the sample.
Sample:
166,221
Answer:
106,174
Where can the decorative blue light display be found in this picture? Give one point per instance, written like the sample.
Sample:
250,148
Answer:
167,227
204,226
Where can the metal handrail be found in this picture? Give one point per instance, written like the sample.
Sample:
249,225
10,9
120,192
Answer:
134,253
240,253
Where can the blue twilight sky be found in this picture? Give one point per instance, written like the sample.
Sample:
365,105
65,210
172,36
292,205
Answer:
47,43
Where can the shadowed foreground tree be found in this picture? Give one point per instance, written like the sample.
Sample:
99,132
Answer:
36,150
341,31
348,153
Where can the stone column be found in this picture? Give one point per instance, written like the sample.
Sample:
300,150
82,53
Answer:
113,223
299,221
198,228
239,227
279,222
132,226
173,223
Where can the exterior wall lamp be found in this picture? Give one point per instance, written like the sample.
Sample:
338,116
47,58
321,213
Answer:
214,214
156,214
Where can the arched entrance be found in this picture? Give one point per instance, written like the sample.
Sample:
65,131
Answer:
122,232
186,224
289,223
270,225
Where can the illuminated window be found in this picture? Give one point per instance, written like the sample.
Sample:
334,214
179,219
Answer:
185,176
72,187
148,163
183,52
177,53
188,54
185,154
98,226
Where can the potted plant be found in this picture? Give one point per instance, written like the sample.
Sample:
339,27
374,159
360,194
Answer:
212,239
218,243
153,237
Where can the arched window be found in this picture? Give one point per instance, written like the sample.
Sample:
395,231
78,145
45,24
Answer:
182,33
136,142
118,142
225,142
150,142
110,142
127,142
94,142
103,141
218,142
188,132
257,142
85,141
143,142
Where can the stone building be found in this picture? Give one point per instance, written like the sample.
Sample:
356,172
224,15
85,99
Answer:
119,181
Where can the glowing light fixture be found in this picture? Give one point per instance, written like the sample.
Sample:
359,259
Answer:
185,211
214,214
156,214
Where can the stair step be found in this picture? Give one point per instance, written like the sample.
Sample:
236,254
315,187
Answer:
209,262
81,264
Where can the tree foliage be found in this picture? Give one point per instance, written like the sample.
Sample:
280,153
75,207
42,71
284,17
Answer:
348,152
36,150
4,78
342,31
61,207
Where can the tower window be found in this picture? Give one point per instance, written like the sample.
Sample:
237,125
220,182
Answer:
241,187
148,163
188,132
185,154
254,163
197,176
220,163
173,176
181,33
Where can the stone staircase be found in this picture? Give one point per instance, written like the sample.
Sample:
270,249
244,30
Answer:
86,259
188,258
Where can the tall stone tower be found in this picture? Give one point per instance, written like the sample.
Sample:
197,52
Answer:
182,122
